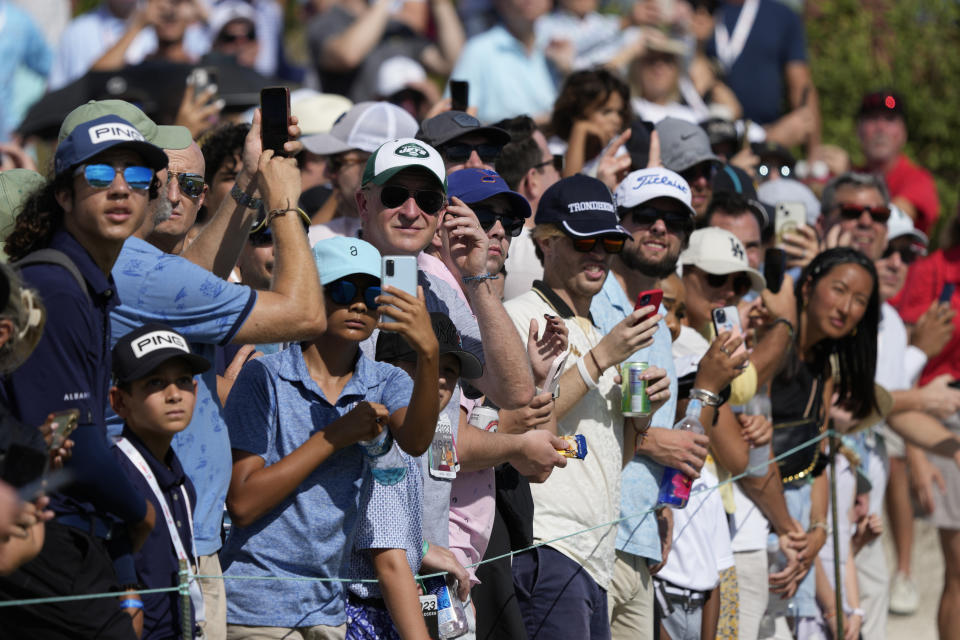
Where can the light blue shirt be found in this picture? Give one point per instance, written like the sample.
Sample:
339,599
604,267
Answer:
273,408
21,44
505,79
160,287
640,480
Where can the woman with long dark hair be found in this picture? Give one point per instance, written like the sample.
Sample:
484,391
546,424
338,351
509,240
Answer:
834,356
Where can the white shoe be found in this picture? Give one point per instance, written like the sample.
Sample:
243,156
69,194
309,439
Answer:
904,599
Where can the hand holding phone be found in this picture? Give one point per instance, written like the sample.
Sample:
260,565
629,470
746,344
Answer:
274,118
728,319
651,297
947,292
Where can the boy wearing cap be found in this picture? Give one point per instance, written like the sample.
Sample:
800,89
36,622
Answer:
293,418
562,588
154,393
105,174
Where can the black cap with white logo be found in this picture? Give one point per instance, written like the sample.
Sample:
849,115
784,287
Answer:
140,352
582,206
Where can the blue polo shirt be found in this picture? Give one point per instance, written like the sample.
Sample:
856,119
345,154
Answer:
273,408
207,311
505,79
640,479
156,562
70,369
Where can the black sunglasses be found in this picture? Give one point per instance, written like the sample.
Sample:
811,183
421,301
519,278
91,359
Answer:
611,244
230,38
556,160
512,225
908,254
741,282
703,170
646,217
344,292
460,151
393,196
190,183
880,214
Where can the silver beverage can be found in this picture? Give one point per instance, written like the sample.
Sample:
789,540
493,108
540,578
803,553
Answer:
485,418
635,401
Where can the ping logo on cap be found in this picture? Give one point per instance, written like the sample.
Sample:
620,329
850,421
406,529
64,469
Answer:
411,150
110,132
154,340
590,205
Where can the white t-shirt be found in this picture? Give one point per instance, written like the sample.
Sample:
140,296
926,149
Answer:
587,492
701,539
653,112
522,266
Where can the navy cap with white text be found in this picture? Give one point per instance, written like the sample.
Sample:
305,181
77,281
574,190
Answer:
581,206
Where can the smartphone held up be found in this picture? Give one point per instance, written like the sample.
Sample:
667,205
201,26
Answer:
274,118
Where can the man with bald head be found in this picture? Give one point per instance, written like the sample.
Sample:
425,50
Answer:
181,197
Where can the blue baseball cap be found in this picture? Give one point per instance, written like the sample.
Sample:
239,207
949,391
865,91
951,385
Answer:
582,206
96,136
474,185
340,256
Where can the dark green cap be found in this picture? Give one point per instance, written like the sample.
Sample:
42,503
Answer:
163,136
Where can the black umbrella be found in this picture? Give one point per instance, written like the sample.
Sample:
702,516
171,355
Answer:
155,86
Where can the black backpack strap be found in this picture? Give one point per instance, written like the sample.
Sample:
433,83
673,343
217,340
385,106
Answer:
53,256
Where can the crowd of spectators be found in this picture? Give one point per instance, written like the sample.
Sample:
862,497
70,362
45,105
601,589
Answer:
257,392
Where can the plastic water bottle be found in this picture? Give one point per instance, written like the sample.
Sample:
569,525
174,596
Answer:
386,463
675,485
776,561
451,618
759,456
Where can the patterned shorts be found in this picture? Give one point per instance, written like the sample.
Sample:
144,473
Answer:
369,622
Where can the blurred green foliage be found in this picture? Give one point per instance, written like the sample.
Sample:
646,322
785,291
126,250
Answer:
911,46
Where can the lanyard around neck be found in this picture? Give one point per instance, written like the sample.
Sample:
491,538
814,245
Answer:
730,47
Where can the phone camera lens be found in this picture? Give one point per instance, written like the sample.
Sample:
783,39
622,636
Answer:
390,268
721,316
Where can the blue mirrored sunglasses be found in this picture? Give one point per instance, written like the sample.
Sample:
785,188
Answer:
101,176
344,292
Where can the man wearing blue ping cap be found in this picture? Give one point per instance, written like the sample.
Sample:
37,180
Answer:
105,174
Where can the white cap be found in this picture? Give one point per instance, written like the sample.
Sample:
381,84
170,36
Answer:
646,184
317,112
396,155
224,13
397,73
719,252
900,224
365,127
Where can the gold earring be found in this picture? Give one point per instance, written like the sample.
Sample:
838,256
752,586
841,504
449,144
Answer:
854,332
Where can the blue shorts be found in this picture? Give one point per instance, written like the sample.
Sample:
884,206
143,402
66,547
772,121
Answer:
558,598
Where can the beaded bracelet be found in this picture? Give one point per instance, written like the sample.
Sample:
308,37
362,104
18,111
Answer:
243,199
482,276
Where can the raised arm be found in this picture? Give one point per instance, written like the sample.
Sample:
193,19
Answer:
293,309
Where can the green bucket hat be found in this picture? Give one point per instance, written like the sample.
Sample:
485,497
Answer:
163,136
16,185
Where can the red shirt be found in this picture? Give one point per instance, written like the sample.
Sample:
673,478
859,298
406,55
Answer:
924,283
907,180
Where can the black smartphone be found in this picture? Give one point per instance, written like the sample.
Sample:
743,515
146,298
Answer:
459,95
947,292
774,264
274,118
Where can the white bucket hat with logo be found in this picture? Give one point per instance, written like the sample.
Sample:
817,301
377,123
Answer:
719,252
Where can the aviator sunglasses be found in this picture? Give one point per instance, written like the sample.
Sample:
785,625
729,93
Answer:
487,218
611,244
190,183
393,196
344,292
101,176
